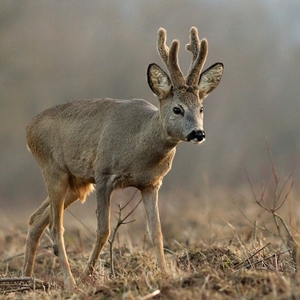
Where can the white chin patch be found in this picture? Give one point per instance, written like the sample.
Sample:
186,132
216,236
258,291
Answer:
195,141
28,148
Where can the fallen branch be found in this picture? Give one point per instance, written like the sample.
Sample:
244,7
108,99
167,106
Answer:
21,284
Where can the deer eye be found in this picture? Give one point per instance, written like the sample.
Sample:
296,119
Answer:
177,111
201,110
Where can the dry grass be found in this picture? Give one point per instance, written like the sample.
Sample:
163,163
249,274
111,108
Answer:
211,254
236,270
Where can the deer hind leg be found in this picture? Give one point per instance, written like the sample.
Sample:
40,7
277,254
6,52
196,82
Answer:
37,225
104,190
57,185
150,199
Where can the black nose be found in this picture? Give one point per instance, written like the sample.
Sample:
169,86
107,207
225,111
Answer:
196,135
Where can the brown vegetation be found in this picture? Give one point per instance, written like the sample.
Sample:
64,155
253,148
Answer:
234,262
238,269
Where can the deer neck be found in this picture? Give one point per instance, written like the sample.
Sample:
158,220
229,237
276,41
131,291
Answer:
157,132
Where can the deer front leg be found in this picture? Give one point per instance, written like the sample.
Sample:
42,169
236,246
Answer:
104,191
150,199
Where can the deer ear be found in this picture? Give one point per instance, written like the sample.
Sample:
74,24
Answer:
159,81
209,79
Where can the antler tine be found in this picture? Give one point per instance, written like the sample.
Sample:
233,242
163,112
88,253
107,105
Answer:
199,51
162,47
170,57
194,45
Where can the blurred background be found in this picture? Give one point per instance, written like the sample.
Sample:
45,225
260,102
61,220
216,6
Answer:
55,51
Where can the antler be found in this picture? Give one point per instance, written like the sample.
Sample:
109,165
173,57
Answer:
170,58
199,51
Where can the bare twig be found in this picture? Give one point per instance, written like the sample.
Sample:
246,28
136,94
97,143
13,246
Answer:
287,194
251,256
120,221
278,199
251,186
263,259
81,223
12,257
289,234
272,162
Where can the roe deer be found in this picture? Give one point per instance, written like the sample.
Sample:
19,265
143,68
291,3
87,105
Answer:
116,144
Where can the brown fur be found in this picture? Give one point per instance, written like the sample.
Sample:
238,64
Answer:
115,144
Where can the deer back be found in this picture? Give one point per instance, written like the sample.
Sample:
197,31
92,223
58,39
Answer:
102,136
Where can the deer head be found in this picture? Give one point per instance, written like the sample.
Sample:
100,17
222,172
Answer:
180,98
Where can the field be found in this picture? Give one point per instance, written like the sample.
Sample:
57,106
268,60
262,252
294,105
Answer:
225,247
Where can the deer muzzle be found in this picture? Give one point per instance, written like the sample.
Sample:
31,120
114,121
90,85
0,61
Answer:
196,136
